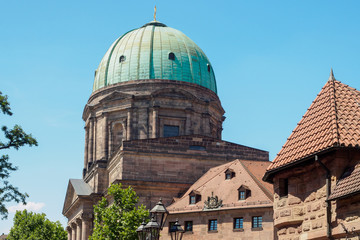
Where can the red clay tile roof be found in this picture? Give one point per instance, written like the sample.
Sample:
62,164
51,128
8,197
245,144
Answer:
348,184
247,173
332,120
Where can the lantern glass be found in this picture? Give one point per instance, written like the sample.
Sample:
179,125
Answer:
152,230
141,231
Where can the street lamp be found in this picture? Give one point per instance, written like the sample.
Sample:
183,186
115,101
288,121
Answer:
176,231
160,213
141,232
151,231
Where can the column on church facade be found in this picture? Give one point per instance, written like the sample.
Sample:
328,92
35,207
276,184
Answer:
78,229
85,233
68,229
73,231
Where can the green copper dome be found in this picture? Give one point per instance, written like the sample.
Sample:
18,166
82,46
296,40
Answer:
154,51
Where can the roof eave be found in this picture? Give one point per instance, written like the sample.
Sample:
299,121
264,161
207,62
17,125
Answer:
268,177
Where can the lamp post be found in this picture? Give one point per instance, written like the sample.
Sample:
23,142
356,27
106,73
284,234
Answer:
176,231
151,231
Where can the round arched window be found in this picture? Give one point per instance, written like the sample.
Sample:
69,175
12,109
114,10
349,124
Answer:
122,59
208,67
171,56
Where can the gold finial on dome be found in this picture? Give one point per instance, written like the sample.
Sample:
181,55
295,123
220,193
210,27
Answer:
155,13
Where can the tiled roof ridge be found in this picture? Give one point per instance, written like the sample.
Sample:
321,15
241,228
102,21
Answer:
262,187
336,139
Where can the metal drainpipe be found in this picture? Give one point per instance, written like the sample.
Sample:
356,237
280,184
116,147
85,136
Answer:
328,203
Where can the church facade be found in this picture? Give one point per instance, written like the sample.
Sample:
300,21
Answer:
153,121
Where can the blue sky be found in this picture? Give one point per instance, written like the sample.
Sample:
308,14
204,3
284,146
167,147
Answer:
270,59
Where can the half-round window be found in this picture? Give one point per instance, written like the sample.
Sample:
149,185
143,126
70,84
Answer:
171,56
122,59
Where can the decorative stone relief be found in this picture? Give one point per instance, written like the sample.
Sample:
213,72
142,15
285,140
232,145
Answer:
212,202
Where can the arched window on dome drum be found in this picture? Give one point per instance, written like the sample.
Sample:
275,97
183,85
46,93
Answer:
122,59
171,56
117,135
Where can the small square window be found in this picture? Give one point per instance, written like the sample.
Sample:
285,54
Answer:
228,176
188,226
257,222
238,223
242,195
213,225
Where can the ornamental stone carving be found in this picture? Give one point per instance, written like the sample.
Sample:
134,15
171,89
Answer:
212,202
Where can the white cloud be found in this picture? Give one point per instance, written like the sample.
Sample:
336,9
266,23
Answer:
30,206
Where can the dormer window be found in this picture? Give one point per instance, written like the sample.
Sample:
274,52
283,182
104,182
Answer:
244,192
229,174
194,197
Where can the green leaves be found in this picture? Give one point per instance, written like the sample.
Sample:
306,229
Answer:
14,138
120,218
35,226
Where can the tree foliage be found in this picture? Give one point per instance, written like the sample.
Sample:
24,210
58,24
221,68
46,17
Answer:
121,218
14,139
35,226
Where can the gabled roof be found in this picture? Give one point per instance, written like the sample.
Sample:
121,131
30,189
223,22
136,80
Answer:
348,184
248,173
332,120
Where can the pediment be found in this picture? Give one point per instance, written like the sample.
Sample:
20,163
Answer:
117,95
76,188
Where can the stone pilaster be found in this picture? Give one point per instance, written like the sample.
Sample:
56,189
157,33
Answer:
91,141
86,160
105,137
154,122
129,121
188,127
